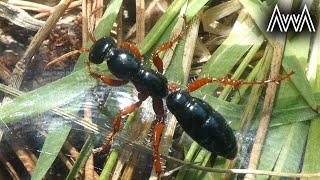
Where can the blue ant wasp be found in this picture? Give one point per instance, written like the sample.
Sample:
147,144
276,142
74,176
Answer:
197,118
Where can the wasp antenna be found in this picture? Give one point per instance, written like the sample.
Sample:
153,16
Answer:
92,38
65,56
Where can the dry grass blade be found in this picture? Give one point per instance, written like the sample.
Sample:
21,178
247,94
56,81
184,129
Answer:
119,31
19,17
168,54
26,158
43,15
5,74
148,15
268,103
140,20
30,5
13,173
218,12
138,131
36,42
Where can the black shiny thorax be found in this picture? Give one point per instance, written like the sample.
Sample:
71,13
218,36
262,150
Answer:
124,65
151,82
203,124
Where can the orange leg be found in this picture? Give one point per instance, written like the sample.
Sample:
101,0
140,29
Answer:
157,61
105,79
117,121
159,110
226,81
132,49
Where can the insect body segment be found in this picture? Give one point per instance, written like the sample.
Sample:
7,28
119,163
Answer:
123,64
100,49
151,82
203,124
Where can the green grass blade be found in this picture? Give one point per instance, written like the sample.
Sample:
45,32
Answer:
272,148
162,24
202,157
159,33
50,149
85,152
194,6
291,152
240,69
243,35
311,157
286,154
47,97
107,171
291,63
259,12
188,158
255,94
